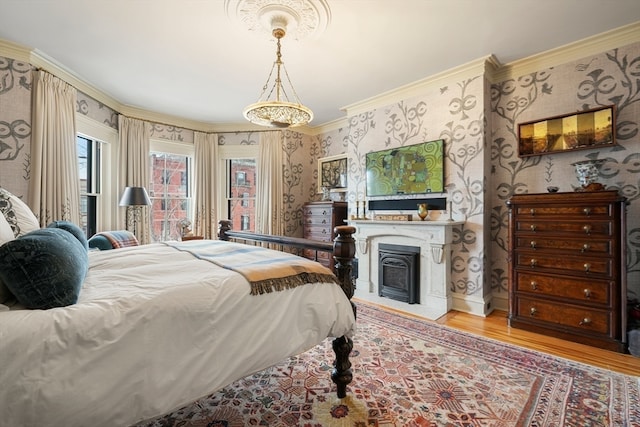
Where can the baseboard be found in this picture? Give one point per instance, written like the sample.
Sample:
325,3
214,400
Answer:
473,304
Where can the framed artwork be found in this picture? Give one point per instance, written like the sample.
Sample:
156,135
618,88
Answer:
332,172
576,131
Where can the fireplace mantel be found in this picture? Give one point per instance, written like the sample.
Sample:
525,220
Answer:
434,239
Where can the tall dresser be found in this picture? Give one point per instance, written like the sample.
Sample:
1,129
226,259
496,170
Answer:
567,274
319,219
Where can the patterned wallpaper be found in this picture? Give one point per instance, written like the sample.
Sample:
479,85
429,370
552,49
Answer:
15,125
454,113
612,77
478,122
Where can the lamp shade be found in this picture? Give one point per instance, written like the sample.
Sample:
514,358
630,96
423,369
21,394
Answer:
135,196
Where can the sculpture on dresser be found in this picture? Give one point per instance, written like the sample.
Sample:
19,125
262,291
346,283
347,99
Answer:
588,172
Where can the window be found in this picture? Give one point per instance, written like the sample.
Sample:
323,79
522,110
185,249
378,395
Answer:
245,222
241,178
238,164
89,161
170,189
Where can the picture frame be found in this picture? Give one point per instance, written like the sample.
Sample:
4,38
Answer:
594,128
332,172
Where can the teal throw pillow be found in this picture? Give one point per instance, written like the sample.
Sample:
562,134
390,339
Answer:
44,268
73,229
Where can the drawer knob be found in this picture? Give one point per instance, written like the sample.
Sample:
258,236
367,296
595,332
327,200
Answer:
533,227
533,262
585,321
533,311
534,285
533,244
587,229
587,211
587,267
587,293
585,247
533,211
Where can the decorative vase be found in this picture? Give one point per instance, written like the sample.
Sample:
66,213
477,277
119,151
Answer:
587,172
326,194
423,211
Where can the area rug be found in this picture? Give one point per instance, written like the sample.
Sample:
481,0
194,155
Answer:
409,372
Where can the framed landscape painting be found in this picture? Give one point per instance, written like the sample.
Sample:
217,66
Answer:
577,131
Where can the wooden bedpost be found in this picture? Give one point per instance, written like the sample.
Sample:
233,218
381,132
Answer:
344,249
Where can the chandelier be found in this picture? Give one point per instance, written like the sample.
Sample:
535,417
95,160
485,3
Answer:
279,111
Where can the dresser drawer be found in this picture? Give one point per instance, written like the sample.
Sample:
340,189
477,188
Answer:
584,291
584,228
575,246
322,234
320,211
319,220
565,212
567,315
573,265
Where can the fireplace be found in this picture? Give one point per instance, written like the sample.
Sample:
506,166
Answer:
399,272
432,296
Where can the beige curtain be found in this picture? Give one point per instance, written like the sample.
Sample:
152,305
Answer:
269,191
54,187
205,185
134,169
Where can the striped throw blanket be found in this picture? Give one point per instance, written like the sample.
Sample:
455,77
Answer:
120,238
266,270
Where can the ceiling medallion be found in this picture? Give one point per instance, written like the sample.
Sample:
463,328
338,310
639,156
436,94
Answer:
305,18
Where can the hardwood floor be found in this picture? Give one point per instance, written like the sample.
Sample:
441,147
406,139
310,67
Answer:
495,327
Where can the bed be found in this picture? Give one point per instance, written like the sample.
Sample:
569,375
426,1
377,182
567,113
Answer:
158,326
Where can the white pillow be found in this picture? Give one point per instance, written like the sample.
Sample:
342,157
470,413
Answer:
6,232
17,213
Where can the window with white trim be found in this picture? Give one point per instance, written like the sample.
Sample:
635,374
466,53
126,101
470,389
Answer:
238,164
171,188
89,172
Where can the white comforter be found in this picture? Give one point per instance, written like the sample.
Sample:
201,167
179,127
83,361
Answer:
154,329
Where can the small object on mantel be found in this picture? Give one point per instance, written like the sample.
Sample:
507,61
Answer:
394,217
423,211
552,189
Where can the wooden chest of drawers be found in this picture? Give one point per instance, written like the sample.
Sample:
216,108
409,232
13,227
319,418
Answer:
567,273
319,220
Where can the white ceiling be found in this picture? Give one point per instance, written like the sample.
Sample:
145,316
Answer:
187,59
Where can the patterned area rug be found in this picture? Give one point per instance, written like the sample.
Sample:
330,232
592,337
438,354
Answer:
409,372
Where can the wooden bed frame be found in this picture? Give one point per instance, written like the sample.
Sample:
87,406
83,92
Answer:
343,249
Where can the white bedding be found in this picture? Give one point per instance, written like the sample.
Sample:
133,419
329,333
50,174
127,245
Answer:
154,329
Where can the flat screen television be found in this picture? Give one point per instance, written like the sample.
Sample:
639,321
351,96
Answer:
412,169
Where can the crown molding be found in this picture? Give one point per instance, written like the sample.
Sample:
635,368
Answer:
14,50
593,45
161,118
470,69
46,63
327,127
